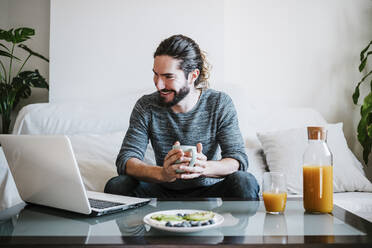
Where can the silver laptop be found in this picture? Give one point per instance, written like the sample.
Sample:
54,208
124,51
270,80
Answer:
45,171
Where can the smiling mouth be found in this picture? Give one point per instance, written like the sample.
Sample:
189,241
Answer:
165,93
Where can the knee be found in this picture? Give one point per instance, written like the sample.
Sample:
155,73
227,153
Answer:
121,185
244,184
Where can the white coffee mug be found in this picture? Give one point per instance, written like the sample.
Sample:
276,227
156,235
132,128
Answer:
192,150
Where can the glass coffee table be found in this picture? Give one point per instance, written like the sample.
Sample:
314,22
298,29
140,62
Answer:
245,223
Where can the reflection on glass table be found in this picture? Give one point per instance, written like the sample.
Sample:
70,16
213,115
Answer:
245,222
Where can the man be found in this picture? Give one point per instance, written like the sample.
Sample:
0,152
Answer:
183,112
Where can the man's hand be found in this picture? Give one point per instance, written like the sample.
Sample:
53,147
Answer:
211,168
169,167
200,168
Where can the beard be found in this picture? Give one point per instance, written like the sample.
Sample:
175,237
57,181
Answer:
178,96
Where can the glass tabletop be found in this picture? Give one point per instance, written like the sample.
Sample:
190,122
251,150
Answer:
244,222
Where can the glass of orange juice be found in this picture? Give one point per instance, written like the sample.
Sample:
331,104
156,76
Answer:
274,192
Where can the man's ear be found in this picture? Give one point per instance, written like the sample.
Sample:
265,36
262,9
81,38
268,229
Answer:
193,76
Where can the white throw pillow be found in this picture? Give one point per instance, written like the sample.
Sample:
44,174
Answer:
257,165
9,196
284,150
96,155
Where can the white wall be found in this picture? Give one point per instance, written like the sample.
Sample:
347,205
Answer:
282,53
98,54
299,53
4,7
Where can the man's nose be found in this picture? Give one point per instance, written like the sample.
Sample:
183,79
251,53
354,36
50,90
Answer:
159,83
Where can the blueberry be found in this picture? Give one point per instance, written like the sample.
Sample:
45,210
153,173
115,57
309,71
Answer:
180,215
168,224
193,223
205,223
211,222
178,225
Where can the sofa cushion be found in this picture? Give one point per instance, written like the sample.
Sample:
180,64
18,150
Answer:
284,150
257,164
96,155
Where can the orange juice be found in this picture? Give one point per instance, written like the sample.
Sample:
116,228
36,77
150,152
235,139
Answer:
318,188
274,202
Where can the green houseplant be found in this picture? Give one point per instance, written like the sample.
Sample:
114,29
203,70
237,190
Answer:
365,123
14,86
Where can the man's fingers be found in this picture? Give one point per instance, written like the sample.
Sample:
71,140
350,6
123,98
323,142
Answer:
201,156
170,153
172,159
189,169
200,163
190,176
178,166
186,159
199,147
173,152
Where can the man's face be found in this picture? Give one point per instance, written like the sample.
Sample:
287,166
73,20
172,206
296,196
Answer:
169,80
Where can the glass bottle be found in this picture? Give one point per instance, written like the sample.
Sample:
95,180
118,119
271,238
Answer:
317,173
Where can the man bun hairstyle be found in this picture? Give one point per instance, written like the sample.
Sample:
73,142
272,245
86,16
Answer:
191,57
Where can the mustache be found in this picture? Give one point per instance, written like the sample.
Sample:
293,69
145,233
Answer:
166,91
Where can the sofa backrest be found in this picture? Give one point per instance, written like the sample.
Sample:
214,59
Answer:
96,130
101,118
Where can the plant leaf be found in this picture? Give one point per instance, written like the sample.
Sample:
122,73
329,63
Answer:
364,50
5,47
6,98
18,35
364,139
21,89
356,94
364,62
367,105
365,127
22,34
32,52
34,79
6,35
366,151
6,54
23,83
369,130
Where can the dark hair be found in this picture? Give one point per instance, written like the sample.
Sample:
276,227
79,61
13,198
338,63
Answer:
191,57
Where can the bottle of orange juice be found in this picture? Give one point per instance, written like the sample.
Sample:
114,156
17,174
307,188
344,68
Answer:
317,173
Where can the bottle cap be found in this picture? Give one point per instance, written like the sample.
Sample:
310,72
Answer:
316,133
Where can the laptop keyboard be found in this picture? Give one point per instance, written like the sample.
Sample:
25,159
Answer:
103,204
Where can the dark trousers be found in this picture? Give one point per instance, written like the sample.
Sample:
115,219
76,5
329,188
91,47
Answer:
239,184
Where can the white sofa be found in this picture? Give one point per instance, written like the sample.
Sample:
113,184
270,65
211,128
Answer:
96,131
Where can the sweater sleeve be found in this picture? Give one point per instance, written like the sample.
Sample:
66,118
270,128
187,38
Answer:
229,136
136,139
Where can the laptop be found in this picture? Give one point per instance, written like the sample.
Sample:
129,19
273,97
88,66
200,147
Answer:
45,172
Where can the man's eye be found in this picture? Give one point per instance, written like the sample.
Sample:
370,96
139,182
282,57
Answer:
169,76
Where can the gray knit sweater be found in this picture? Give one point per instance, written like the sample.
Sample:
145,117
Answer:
212,121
